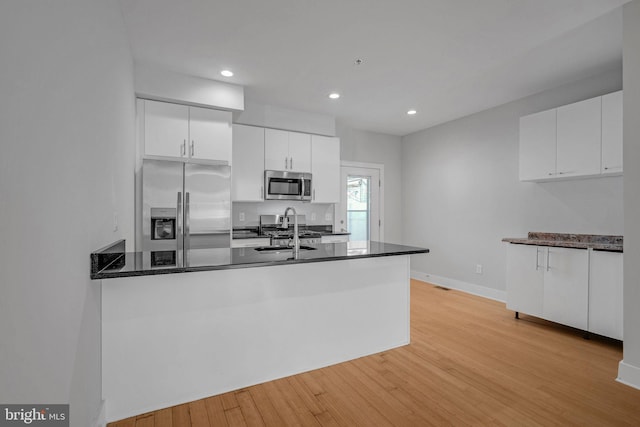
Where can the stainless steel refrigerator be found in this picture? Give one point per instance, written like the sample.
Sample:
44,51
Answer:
184,206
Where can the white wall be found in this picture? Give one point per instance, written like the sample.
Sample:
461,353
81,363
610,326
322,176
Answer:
66,165
629,371
371,147
462,194
271,116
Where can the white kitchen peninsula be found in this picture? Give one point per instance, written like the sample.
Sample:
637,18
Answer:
173,338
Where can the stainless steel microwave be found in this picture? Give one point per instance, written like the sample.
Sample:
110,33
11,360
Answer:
281,185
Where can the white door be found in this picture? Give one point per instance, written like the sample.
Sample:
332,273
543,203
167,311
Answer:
248,164
299,152
359,210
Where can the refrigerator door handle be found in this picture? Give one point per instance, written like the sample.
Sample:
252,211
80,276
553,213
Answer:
179,221
187,220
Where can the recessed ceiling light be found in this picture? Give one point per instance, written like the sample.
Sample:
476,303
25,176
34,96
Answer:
411,112
334,95
227,73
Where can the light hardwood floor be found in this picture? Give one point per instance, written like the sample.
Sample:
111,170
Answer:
469,363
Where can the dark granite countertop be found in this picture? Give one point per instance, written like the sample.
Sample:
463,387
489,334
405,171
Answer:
253,233
598,242
110,263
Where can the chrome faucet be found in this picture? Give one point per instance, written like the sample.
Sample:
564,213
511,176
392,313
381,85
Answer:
296,238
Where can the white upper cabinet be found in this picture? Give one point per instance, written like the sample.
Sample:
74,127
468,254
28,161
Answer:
287,151
325,168
612,133
188,133
210,134
248,164
578,138
166,129
583,139
538,145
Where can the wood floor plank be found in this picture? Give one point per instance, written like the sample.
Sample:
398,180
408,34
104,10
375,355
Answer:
249,410
180,416
235,417
145,421
163,418
198,414
270,415
470,362
215,411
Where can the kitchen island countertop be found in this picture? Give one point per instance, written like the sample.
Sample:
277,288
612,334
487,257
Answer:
127,264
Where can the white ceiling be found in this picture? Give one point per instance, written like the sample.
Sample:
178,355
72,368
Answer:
444,58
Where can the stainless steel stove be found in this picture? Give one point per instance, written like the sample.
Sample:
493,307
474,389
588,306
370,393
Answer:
271,226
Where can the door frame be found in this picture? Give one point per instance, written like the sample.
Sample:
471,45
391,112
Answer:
363,165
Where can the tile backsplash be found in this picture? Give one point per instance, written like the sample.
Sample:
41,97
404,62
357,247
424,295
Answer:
247,214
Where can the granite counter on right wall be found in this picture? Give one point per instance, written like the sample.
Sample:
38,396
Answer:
565,240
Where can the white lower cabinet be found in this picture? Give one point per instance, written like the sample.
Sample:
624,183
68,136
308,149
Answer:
549,282
566,286
525,279
605,293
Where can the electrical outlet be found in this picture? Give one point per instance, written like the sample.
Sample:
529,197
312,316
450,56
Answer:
327,216
478,268
241,216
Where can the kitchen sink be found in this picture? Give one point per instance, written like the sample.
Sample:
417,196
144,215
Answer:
282,248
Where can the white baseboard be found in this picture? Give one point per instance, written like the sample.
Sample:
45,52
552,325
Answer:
628,375
470,288
100,419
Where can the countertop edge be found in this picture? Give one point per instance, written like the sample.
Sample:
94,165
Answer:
565,244
117,274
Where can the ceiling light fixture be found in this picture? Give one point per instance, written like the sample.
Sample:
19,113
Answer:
227,73
334,95
411,112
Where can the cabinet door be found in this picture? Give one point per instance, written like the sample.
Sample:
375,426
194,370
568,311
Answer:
525,275
538,146
210,134
299,152
612,133
605,294
566,286
276,149
579,138
248,163
325,168
166,129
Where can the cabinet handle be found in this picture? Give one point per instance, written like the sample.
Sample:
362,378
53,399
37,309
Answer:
291,163
537,255
183,149
286,163
192,151
548,266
